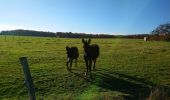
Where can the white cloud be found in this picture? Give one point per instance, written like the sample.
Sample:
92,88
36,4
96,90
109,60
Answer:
4,27
10,27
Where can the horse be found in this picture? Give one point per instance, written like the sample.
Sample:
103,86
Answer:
91,53
72,53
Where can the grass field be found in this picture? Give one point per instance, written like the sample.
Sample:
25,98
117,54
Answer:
126,69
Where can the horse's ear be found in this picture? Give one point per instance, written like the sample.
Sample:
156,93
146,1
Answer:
89,41
67,48
83,41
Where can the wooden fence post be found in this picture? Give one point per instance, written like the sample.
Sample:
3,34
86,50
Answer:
28,80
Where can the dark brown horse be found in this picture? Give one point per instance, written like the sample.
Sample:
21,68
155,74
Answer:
72,53
91,53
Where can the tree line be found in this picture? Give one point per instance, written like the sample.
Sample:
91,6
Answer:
52,34
82,35
28,33
162,32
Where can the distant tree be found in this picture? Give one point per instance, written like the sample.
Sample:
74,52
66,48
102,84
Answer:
162,29
161,33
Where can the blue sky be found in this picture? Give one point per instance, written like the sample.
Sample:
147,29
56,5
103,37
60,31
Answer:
88,16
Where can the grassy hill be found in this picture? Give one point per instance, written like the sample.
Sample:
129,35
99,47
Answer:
126,69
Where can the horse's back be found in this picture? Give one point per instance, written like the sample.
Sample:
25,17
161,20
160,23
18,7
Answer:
95,50
75,52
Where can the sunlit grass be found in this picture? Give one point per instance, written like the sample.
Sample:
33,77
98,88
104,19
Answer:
126,68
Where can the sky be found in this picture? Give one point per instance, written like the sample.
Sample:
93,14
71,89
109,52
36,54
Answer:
117,17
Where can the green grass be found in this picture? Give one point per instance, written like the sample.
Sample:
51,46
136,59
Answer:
126,69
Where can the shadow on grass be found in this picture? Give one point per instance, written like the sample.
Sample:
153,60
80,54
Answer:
77,73
137,88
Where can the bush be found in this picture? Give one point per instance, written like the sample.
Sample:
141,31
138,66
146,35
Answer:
158,37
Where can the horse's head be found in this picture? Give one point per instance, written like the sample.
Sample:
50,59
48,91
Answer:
86,45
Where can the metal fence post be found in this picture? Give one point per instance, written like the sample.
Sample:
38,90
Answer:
28,80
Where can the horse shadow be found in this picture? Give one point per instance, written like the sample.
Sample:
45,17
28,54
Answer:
136,88
121,83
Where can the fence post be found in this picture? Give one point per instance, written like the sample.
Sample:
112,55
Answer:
28,80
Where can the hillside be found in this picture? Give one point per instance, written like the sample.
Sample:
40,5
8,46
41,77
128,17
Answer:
28,33
52,34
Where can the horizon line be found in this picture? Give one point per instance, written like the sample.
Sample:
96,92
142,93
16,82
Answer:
93,33
6,27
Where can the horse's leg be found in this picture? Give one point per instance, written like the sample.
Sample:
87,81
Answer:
71,63
94,64
76,62
68,63
86,65
90,66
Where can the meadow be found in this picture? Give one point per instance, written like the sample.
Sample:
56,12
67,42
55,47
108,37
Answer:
125,69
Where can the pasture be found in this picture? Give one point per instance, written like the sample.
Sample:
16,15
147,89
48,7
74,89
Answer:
125,69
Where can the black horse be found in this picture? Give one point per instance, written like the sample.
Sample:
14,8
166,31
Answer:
72,53
91,53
